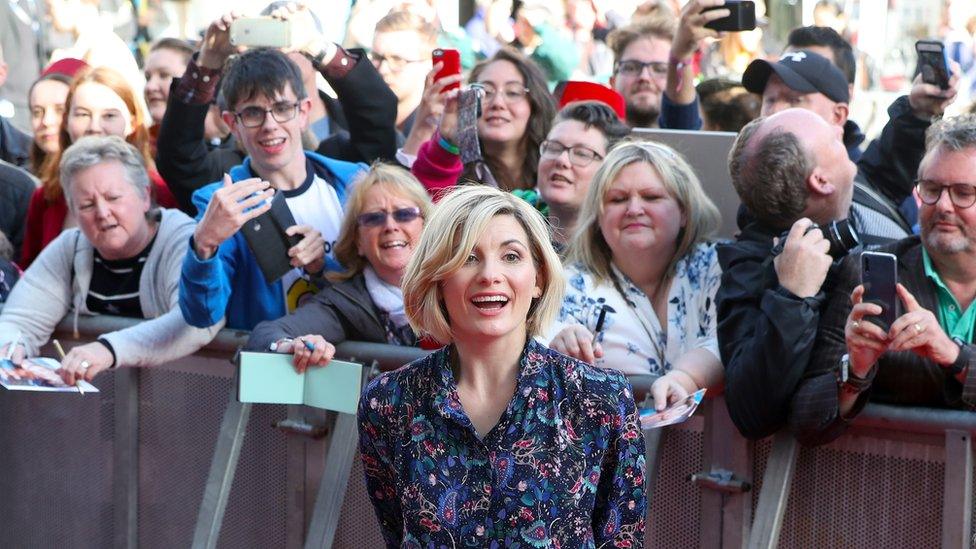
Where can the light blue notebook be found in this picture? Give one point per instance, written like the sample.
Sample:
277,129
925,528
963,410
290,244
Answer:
270,378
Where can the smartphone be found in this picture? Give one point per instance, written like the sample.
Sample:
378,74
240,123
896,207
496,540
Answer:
741,18
932,63
260,32
265,235
452,65
879,276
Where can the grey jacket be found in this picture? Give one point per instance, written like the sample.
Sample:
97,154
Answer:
58,280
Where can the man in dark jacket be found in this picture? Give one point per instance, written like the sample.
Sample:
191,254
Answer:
926,357
790,170
187,163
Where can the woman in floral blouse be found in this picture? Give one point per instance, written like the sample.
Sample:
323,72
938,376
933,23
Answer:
495,440
641,254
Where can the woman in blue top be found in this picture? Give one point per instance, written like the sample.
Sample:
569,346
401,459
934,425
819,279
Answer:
495,440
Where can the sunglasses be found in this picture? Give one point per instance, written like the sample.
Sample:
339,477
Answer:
378,219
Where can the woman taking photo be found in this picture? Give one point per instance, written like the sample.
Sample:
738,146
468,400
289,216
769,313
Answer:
516,113
641,261
99,102
123,259
384,218
482,442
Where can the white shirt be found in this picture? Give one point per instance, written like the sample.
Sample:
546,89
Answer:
629,327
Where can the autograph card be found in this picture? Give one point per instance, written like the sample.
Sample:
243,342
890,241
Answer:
676,413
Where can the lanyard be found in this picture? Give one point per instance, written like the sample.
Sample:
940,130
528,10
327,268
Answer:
645,322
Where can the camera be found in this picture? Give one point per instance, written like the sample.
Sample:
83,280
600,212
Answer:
841,235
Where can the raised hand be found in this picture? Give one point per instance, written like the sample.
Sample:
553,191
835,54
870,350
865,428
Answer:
230,207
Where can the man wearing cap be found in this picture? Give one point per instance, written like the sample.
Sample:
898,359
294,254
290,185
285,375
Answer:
805,79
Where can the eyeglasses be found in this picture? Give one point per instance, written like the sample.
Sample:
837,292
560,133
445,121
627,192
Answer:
962,195
252,117
378,219
395,62
578,155
659,69
511,93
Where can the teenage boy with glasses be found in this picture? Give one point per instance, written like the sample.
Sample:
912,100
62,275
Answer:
265,104
926,357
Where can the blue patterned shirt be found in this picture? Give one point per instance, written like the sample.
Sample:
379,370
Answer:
564,466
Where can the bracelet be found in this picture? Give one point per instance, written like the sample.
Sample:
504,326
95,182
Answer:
448,146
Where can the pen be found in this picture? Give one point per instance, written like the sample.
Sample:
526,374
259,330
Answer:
274,344
599,323
57,345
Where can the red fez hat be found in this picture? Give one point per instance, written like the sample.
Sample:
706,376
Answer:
69,66
575,90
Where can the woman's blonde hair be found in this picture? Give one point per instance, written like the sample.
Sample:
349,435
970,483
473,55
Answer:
395,181
450,234
590,248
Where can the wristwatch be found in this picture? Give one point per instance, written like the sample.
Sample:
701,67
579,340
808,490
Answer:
962,361
849,382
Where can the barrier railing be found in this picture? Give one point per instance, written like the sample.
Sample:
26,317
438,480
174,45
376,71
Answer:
165,457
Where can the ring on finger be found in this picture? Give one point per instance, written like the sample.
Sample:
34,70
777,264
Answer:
85,365
918,328
855,325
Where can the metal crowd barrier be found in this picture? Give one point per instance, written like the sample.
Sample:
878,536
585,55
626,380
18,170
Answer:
165,457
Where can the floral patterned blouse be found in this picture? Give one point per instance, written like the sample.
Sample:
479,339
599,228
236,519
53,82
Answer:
564,466
631,323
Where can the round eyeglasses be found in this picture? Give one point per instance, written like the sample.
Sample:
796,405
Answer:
252,117
962,195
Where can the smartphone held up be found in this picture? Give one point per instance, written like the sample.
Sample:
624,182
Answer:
451,59
932,63
261,32
742,16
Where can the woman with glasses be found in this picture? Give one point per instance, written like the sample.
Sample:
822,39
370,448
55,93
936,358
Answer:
580,137
99,102
642,274
384,217
516,114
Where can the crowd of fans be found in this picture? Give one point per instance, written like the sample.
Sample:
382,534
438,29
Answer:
505,219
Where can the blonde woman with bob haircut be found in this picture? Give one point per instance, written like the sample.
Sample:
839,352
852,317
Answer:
483,440
380,231
641,261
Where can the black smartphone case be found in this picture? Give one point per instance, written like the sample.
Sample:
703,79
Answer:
879,275
266,237
742,17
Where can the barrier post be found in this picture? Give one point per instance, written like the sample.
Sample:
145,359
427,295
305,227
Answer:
957,508
775,492
227,451
125,487
725,515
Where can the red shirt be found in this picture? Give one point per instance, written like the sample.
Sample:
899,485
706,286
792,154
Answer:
45,218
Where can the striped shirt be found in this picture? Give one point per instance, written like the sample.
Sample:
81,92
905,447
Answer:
114,288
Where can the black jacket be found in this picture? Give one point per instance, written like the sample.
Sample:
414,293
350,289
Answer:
368,104
765,333
16,188
340,312
903,378
14,144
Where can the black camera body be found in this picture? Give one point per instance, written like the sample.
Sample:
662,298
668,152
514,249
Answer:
841,235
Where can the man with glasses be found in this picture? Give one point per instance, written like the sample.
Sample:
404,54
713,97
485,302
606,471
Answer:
926,357
402,44
266,106
368,107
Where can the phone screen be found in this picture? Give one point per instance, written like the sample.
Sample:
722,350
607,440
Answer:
932,63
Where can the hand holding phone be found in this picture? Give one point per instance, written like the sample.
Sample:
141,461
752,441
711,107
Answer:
742,16
451,59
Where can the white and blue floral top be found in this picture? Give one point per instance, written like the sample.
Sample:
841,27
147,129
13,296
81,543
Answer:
630,323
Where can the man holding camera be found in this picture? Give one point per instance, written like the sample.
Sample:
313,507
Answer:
793,176
926,357
265,104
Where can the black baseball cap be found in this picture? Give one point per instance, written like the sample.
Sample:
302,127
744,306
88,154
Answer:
803,71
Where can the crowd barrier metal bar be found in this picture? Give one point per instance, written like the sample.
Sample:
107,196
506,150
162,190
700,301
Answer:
775,492
726,516
954,428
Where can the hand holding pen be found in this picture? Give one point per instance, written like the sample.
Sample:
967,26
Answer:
57,345
313,351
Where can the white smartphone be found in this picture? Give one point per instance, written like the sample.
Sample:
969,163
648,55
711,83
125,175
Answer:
260,32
